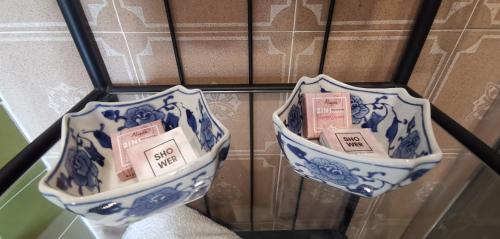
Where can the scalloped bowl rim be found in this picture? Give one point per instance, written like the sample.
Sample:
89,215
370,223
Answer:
435,157
136,187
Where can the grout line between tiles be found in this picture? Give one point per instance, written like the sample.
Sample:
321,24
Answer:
291,43
433,94
255,31
33,32
22,189
126,42
302,31
67,227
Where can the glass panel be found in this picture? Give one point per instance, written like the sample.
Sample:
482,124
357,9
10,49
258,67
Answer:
229,197
424,200
486,128
437,205
475,213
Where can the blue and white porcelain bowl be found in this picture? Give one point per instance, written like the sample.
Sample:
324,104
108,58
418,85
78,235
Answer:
84,181
400,122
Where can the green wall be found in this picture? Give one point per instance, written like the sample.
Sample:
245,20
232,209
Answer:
11,140
24,213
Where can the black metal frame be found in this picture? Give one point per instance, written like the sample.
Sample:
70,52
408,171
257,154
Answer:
94,64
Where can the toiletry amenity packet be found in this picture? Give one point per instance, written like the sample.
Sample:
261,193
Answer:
324,111
162,154
352,141
126,138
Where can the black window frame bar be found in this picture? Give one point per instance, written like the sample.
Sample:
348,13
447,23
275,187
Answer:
105,90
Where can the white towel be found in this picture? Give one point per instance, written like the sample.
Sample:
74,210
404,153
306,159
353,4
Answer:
179,222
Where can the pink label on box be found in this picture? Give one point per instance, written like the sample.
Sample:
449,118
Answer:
326,111
127,138
329,112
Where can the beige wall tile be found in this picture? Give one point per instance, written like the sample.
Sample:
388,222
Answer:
273,15
386,14
143,15
432,60
453,14
305,55
188,16
356,57
210,58
25,15
486,15
153,57
351,57
222,15
472,70
117,58
357,15
147,59
101,15
378,15
271,56
311,15
42,77
196,16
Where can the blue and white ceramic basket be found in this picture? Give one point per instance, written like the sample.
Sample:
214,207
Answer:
402,124
84,181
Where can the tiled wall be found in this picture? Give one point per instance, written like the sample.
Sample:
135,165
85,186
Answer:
457,70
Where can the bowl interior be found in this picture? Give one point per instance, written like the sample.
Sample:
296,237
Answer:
86,165
396,119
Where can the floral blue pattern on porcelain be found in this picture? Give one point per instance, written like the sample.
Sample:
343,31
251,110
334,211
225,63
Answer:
379,111
358,109
84,182
150,202
294,119
399,121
